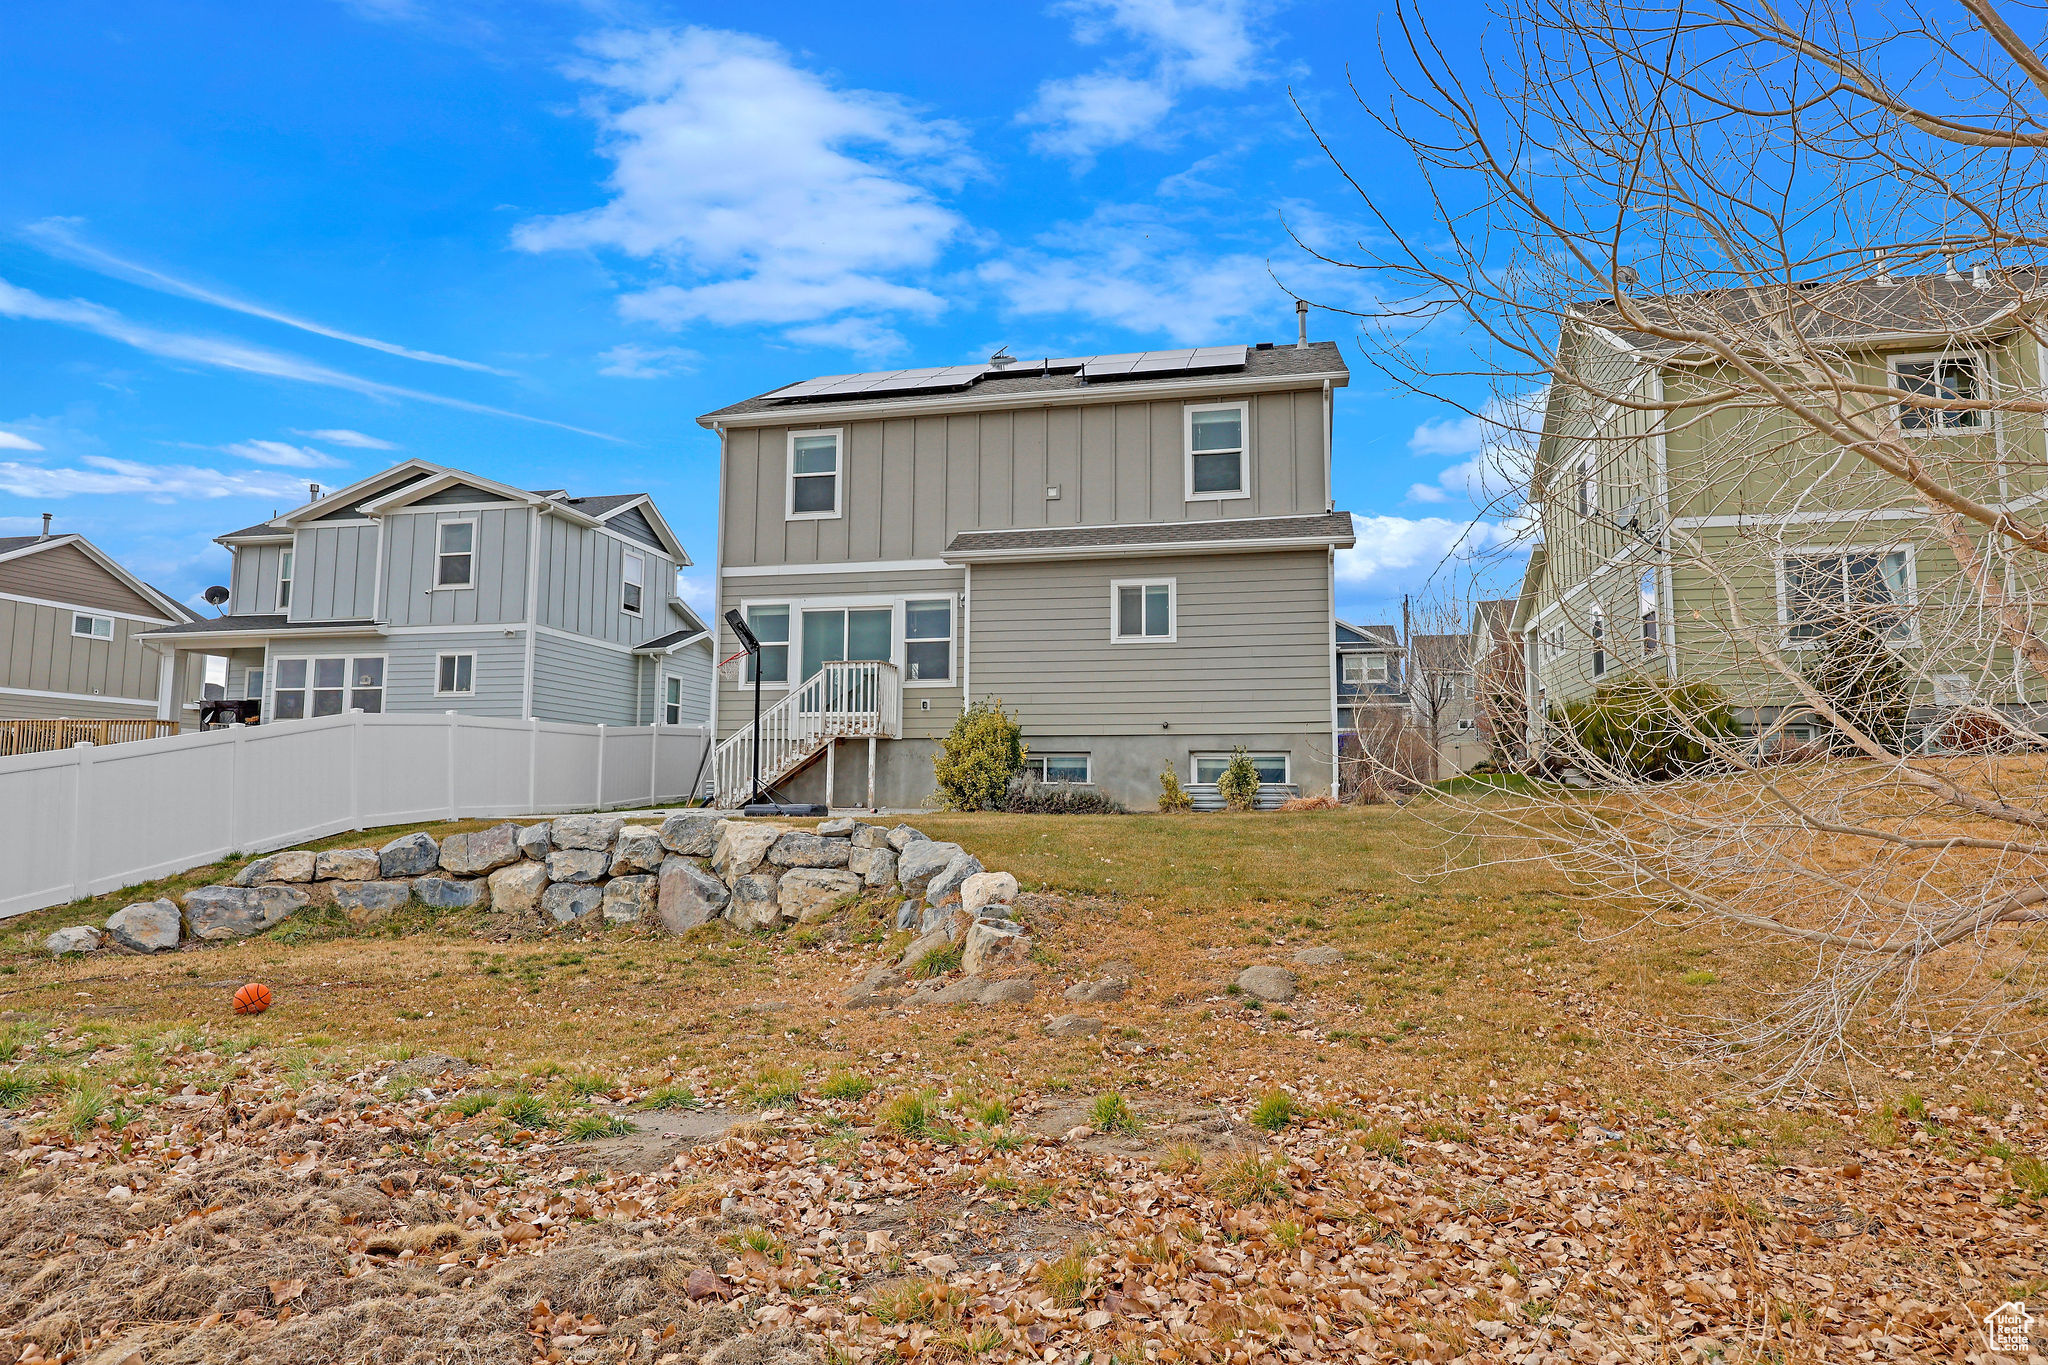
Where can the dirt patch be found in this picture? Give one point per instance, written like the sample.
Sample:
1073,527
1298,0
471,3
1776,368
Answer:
658,1135
1162,1126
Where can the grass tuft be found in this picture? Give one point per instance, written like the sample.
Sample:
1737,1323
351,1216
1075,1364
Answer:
1112,1115
591,1127
526,1109
1251,1179
1274,1111
1067,1280
846,1085
673,1096
909,1114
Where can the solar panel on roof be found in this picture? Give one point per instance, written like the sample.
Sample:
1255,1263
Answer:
880,382
1149,364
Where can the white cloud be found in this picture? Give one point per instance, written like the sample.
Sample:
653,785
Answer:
695,590
100,474
342,436
1456,436
860,336
55,235
283,454
646,362
13,441
1397,552
1498,443
1177,45
772,196
16,302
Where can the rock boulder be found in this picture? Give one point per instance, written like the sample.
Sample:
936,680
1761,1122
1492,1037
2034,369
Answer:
994,945
809,894
518,888
839,828
742,846
800,849
629,899
920,860
536,840
871,836
689,895
692,833
876,867
146,926
566,901
903,835
754,903
1275,985
637,850
222,912
348,865
411,855
1073,1026
79,938
450,893
292,865
586,831
985,889
480,851
577,864
368,902
944,890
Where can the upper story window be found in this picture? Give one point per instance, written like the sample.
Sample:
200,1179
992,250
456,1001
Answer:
1216,450
814,459
633,576
455,558
1951,377
1825,590
770,625
1589,484
284,581
928,640
92,627
1646,603
1142,611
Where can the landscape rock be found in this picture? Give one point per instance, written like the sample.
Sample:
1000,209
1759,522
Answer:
1318,957
1274,985
919,861
348,865
628,899
874,866
741,847
860,999
689,895
450,893
882,978
480,851
1018,990
638,849
985,889
585,831
577,864
908,914
79,938
801,849
944,889
923,948
754,904
964,991
292,865
146,926
409,856
871,836
566,901
809,894
221,912
536,840
933,919
693,833
1073,1026
1097,992
518,888
367,902
838,828
904,834
992,945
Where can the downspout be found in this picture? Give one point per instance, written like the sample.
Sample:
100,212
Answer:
717,592
967,640
1330,648
532,605
1329,457
1667,609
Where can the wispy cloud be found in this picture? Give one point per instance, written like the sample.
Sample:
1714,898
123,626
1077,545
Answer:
342,436
56,236
283,454
15,441
628,361
1176,45
100,474
1498,443
16,302
1402,554
767,194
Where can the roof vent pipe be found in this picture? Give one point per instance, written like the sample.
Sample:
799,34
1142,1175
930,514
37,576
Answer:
1980,276
312,492
46,524
1948,268
1300,323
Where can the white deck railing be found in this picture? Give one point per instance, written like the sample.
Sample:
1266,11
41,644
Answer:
846,699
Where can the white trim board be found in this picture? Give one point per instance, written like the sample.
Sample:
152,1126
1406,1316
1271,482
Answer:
865,566
77,696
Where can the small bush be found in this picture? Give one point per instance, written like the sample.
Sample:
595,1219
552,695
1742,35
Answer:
1648,728
1028,796
846,1085
1273,1112
675,1096
978,757
1239,784
1173,797
1112,1115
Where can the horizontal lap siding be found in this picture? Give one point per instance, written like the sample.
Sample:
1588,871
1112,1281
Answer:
1251,650
413,660
65,573
38,651
585,683
691,664
32,707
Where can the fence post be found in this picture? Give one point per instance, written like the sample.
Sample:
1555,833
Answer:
236,759
600,767
355,768
532,764
81,842
448,718
654,762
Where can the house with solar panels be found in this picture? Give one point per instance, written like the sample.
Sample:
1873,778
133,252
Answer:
1135,554
424,588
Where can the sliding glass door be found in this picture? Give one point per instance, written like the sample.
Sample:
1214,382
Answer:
835,633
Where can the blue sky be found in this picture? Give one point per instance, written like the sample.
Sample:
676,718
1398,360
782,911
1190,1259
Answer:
537,240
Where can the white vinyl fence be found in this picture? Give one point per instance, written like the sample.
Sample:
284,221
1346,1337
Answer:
83,821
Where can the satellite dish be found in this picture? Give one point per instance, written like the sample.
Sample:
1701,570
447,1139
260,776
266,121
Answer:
216,596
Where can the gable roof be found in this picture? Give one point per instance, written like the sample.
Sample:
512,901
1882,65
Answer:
1367,637
1443,653
14,549
1032,382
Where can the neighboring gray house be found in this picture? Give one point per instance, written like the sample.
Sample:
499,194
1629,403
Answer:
73,625
1134,553
422,588
1443,701
1369,674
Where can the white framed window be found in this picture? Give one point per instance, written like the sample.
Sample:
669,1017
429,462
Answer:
1217,463
284,581
1599,641
770,623
326,686
1825,587
928,642
1143,611
1208,768
814,474
92,627
1059,767
1353,670
1589,484
455,675
252,685
633,577
1646,606
672,701
1952,376
455,554
1360,669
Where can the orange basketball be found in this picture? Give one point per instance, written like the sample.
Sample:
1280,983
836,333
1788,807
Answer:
253,998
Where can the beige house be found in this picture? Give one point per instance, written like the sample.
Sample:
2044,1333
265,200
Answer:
1692,544
1134,553
71,619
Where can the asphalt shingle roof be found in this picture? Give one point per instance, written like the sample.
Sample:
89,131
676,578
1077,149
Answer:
210,625
674,637
1326,526
1318,357
9,544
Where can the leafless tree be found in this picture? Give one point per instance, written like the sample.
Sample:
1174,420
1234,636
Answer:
1757,296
